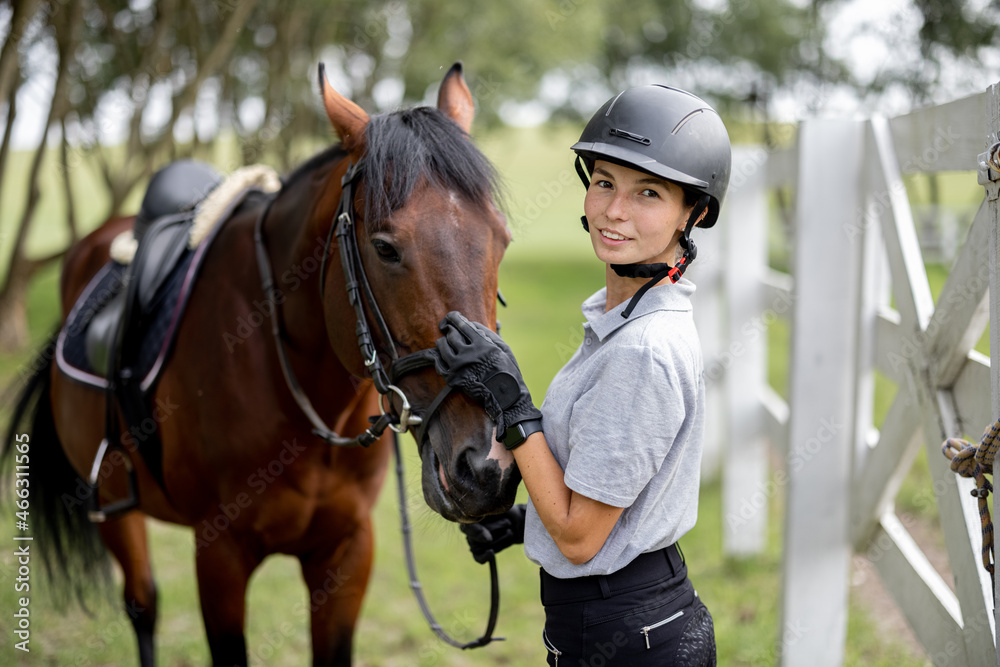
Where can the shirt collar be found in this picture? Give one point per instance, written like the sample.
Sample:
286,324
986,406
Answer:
676,296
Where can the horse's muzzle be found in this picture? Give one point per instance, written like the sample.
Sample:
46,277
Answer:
477,478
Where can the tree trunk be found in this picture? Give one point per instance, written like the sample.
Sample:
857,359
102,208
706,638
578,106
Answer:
21,17
64,169
13,307
14,295
8,129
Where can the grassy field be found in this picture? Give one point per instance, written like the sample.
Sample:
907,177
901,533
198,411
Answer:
548,271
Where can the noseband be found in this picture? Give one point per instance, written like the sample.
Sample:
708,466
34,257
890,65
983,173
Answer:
359,292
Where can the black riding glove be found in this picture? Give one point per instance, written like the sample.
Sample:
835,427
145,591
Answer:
494,534
476,361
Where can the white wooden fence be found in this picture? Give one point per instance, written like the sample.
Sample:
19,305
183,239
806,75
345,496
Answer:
857,302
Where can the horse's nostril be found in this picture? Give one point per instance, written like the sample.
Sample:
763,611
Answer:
464,471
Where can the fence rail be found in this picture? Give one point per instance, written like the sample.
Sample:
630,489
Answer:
858,303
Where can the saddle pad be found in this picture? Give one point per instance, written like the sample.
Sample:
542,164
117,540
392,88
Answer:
156,338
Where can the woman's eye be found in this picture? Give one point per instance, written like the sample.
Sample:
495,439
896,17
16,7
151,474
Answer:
650,193
386,251
603,184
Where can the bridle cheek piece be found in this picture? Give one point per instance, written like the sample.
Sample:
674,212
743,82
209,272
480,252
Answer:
359,293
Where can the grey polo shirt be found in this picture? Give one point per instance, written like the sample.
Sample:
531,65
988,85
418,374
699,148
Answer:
624,419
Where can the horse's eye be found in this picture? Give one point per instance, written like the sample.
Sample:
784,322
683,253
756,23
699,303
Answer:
386,251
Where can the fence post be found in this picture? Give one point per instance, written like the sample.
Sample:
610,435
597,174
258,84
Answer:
742,359
709,299
990,179
817,548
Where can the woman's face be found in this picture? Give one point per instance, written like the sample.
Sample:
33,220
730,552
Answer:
634,217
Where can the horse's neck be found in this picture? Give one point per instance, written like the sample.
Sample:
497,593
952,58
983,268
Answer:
295,238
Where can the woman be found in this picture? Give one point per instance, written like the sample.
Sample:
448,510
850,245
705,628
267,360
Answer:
613,478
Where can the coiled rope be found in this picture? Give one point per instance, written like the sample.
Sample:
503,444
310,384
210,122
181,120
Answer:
976,461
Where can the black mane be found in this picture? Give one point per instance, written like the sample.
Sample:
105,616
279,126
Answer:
404,145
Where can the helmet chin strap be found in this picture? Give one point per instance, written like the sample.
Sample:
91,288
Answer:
657,272
582,173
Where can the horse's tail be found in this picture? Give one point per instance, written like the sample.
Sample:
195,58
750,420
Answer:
55,514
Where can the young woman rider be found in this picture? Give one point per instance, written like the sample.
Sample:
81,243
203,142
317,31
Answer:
611,461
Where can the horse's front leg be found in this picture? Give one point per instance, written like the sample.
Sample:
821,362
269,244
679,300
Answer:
224,569
337,578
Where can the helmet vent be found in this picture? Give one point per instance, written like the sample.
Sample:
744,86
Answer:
612,105
684,120
638,138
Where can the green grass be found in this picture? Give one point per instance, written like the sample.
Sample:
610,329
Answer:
549,269
540,325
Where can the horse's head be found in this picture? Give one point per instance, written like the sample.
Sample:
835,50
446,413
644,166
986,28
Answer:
430,239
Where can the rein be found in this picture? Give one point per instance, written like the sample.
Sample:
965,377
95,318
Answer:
418,588
359,291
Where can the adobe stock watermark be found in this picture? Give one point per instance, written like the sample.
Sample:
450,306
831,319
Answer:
751,163
263,309
379,25
798,456
884,543
953,651
971,289
791,633
750,332
211,529
564,9
870,211
544,198
573,341
253,146
109,634
703,38
459,624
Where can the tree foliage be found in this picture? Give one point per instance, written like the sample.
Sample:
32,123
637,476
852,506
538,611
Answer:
169,78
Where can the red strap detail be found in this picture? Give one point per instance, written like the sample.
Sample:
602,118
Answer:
677,271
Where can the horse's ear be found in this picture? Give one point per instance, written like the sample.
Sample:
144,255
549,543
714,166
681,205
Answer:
348,119
455,100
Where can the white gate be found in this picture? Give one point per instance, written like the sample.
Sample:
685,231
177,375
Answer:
859,301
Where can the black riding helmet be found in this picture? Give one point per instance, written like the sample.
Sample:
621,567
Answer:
666,132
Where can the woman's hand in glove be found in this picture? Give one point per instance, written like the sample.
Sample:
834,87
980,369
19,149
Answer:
495,533
475,360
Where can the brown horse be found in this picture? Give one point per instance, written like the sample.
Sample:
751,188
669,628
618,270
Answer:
236,442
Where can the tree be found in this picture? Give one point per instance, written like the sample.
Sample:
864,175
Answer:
250,66
63,31
126,52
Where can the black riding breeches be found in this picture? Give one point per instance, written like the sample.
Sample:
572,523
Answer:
645,614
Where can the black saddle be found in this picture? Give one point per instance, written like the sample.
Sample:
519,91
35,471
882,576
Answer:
176,188
114,336
161,229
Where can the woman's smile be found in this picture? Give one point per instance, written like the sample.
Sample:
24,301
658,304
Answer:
634,217
613,238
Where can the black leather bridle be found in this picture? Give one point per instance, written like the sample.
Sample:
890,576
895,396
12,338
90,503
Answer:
359,292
